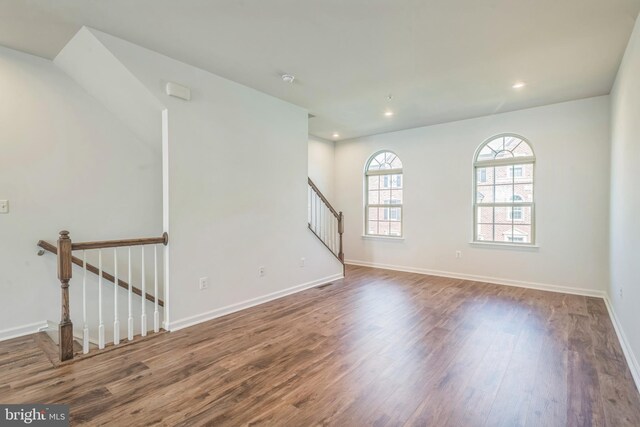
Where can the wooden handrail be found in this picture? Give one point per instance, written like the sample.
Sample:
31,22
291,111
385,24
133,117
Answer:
164,239
77,261
339,216
324,199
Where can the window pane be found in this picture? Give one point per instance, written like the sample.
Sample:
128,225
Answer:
396,181
522,233
485,215
374,197
484,176
385,197
373,214
395,229
383,228
396,164
524,191
503,215
486,153
522,215
374,182
526,174
484,194
497,144
516,214
504,193
503,233
373,227
503,174
511,142
395,214
484,232
523,149
396,197
383,214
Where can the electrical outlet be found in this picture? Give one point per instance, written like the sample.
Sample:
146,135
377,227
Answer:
261,271
302,261
620,292
204,283
458,254
4,206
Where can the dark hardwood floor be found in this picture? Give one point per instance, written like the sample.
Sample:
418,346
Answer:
378,348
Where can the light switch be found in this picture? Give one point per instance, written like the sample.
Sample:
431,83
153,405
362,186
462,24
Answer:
4,206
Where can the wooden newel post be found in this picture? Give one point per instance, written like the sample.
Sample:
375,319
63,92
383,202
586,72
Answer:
340,231
64,275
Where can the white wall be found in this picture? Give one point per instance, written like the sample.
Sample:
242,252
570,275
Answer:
237,189
322,165
571,190
625,199
65,163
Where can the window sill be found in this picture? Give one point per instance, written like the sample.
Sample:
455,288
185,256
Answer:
509,246
383,238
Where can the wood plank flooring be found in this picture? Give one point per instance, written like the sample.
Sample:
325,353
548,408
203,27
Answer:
379,348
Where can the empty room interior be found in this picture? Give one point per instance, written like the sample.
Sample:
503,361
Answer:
301,213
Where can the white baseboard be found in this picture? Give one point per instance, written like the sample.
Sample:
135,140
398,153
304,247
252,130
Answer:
632,361
487,279
209,315
19,331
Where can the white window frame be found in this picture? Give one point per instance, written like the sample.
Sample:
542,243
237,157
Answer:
511,161
367,205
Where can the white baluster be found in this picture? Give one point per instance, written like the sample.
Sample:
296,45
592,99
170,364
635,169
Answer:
332,231
116,321
143,316
100,321
85,327
156,313
130,319
321,234
313,210
309,204
317,213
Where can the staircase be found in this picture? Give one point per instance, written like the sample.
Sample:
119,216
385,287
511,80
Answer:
63,344
325,222
69,343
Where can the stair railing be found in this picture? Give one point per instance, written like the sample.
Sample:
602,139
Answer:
324,221
65,258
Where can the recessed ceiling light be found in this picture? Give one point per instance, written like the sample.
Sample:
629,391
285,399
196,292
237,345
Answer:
388,113
519,85
288,78
336,135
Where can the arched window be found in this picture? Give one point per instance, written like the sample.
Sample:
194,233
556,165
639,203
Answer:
383,195
503,199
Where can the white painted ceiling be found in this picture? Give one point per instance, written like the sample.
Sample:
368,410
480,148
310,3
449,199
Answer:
442,60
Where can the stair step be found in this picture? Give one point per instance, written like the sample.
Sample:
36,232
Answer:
47,340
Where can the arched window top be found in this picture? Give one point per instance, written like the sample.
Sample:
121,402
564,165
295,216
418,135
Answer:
384,160
504,147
